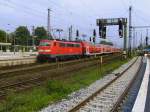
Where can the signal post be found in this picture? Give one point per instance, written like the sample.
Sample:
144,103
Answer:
121,22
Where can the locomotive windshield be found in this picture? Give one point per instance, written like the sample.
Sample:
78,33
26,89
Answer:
44,44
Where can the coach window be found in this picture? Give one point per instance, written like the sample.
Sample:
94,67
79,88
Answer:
69,45
77,45
73,45
62,44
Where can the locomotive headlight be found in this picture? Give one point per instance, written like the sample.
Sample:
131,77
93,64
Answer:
41,50
47,50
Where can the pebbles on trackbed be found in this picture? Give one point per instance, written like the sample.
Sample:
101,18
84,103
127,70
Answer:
76,97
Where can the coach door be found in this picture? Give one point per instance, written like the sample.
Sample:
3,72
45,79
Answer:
87,50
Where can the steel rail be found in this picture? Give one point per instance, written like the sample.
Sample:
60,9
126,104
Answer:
38,79
120,99
76,108
6,73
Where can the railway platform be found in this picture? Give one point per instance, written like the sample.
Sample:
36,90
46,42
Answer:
16,55
142,102
11,59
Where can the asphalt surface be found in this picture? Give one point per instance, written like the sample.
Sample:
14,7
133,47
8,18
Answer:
147,105
131,97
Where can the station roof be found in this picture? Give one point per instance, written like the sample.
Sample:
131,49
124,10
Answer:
5,44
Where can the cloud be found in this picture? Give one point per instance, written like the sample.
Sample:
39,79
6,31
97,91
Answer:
82,14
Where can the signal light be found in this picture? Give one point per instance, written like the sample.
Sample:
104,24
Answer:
120,33
77,33
146,40
94,33
94,39
120,29
90,39
100,31
100,28
104,32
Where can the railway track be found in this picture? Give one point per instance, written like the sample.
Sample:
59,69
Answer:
37,78
19,86
16,61
108,98
8,73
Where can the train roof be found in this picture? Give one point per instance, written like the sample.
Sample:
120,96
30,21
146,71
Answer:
46,40
84,42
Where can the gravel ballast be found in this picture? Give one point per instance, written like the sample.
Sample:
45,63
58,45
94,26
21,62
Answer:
76,97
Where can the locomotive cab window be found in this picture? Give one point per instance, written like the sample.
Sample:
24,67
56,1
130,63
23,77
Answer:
44,44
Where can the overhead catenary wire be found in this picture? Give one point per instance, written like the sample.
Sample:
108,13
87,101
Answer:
25,12
25,7
61,13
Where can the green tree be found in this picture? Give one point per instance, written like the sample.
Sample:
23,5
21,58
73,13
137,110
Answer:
2,36
12,38
22,35
40,33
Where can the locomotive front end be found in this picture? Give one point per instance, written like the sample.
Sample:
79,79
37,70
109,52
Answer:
44,50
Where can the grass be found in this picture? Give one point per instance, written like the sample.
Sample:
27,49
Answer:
55,90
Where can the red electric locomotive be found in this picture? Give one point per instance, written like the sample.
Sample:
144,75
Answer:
55,49
51,49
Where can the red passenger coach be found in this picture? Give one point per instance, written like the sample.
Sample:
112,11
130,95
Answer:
56,49
91,49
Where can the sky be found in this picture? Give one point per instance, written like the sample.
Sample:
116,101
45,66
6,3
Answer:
82,14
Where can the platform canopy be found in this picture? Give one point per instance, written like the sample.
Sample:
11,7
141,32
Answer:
5,44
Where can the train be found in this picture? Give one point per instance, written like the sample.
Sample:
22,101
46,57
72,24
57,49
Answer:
60,49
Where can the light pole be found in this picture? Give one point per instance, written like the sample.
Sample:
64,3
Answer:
14,40
34,45
7,36
14,43
6,42
6,33
33,37
130,29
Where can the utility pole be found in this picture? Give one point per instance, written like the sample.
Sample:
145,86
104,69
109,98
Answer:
14,44
77,35
33,36
130,29
48,24
142,27
27,44
141,41
6,36
125,37
133,37
70,33
136,39
146,37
